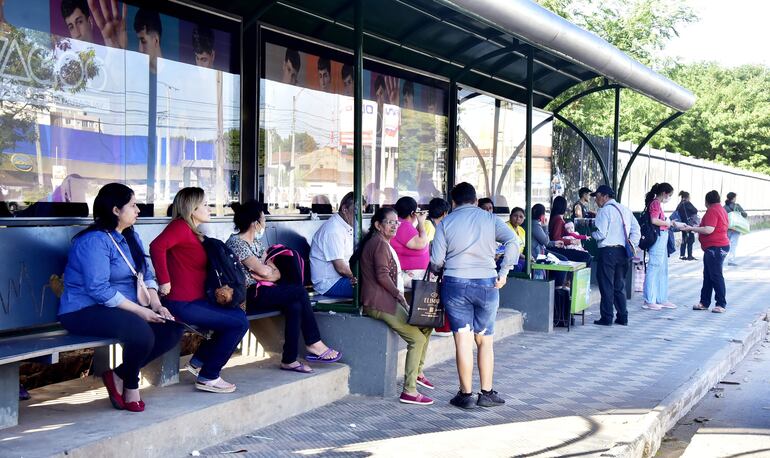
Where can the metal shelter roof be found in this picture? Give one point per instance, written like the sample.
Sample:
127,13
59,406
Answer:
443,37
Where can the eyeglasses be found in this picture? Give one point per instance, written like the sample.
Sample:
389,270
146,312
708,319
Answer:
392,222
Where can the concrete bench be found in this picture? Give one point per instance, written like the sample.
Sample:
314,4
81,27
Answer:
32,253
42,347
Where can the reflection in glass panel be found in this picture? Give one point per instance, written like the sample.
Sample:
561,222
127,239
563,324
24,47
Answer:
198,131
306,134
79,109
490,153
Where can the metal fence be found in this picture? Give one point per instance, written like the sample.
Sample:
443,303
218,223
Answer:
575,166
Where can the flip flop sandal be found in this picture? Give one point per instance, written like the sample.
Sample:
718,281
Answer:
323,357
718,310
301,368
699,307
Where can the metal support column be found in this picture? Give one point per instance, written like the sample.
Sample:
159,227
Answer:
250,138
358,145
528,155
639,148
451,158
616,141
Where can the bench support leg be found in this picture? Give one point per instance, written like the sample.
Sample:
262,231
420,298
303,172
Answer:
164,370
108,357
9,395
369,347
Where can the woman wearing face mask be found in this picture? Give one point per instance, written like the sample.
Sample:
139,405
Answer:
180,263
271,295
656,279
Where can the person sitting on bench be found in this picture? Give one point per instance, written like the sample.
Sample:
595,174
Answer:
266,292
330,250
382,296
100,294
180,261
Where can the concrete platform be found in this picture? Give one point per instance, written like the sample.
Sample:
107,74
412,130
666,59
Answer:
595,391
75,419
509,322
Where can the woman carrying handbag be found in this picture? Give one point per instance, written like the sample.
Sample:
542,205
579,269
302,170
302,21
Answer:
382,296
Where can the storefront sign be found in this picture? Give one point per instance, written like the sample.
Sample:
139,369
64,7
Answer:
22,162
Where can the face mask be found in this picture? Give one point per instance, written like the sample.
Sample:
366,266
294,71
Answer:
261,232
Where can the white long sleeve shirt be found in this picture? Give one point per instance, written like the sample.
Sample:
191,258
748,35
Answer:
610,229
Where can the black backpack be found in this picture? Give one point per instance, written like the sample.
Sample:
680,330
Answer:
649,231
223,269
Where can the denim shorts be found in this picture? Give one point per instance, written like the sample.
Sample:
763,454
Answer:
471,304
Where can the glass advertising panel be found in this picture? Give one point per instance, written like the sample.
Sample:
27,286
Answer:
84,103
494,162
306,131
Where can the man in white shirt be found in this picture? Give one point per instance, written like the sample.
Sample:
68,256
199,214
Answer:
614,225
330,253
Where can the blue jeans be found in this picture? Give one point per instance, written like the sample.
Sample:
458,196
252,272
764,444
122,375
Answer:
713,280
229,326
342,288
471,304
142,341
733,236
656,278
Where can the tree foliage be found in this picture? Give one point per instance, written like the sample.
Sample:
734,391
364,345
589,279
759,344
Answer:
730,121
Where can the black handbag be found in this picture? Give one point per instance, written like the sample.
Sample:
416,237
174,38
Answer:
427,310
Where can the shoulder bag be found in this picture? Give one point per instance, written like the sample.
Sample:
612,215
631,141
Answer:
427,310
142,293
630,248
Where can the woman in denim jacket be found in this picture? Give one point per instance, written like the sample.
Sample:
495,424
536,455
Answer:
100,297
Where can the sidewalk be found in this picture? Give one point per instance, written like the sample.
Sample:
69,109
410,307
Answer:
596,391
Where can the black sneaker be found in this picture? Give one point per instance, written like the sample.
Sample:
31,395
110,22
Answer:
463,401
489,399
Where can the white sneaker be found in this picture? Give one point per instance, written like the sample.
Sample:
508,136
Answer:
192,369
218,385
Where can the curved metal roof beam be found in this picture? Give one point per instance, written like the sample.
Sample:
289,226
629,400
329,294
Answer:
550,32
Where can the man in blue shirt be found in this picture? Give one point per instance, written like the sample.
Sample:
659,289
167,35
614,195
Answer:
464,246
614,226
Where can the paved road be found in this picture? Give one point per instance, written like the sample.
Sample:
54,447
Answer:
733,420
568,394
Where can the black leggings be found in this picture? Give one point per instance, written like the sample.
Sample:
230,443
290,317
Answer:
294,303
688,239
142,341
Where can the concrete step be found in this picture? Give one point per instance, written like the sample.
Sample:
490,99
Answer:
75,418
509,322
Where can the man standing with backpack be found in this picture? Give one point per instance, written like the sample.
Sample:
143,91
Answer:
617,234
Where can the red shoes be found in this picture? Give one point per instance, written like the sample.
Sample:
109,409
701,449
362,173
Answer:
135,406
116,398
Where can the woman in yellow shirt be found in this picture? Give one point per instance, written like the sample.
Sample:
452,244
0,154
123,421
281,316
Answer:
515,221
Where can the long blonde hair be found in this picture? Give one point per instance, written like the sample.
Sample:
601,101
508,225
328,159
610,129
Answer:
185,203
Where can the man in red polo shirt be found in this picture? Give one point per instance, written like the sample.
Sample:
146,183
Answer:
712,234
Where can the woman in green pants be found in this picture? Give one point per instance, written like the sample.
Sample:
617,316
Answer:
382,296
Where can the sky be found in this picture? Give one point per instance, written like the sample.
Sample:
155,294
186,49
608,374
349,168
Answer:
732,33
